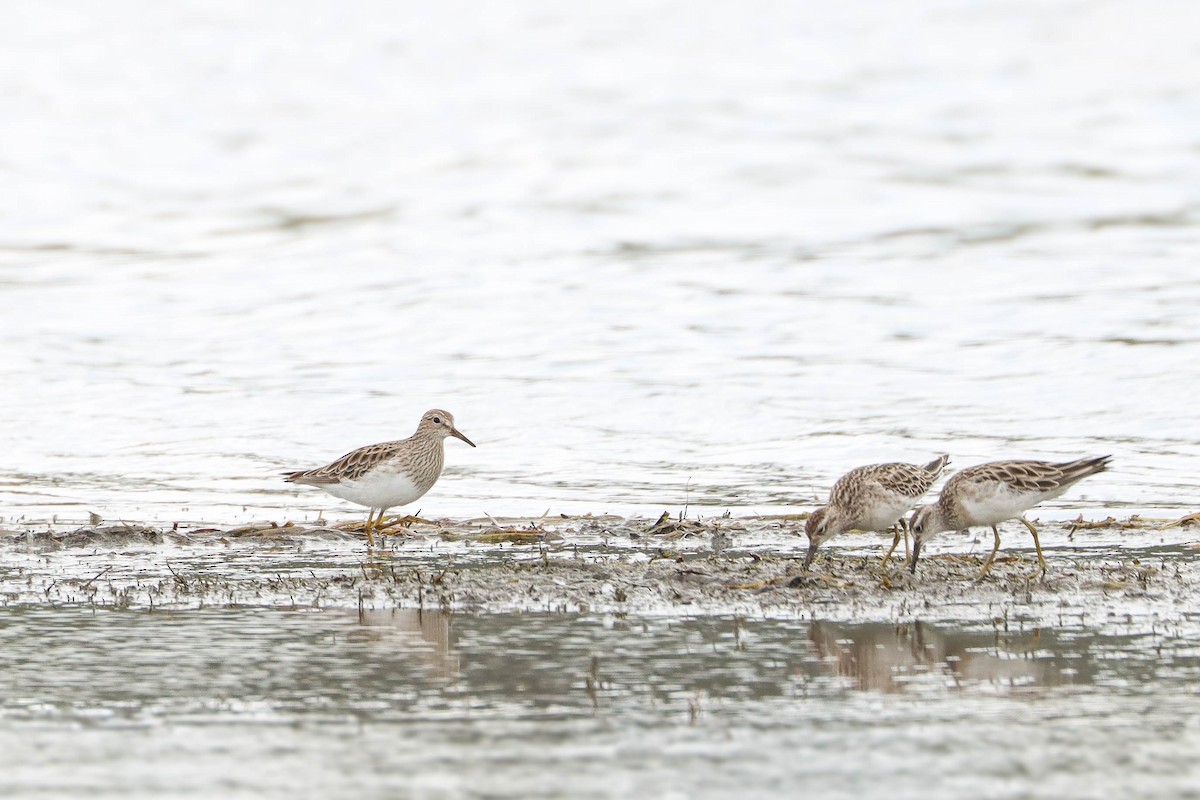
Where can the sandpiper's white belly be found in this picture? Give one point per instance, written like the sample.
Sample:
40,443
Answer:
381,487
884,513
996,502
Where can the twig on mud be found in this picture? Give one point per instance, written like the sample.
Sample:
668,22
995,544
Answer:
94,577
1190,519
179,580
756,584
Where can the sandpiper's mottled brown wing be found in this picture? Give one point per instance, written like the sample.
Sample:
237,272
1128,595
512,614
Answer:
351,466
1032,476
908,480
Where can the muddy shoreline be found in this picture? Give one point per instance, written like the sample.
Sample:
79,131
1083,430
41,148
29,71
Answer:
1108,569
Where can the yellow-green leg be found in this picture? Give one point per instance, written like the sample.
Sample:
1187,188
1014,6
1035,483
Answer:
895,541
1036,543
899,529
987,565
379,525
370,537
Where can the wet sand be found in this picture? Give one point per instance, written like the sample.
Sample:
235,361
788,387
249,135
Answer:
1146,569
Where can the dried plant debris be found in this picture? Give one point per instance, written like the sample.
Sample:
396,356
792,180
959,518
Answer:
530,535
670,565
272,531
1112,522
681,528
1133,522
104,535
391,526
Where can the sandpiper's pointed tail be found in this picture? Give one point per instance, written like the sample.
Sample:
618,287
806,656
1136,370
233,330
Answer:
936,466
303,476
1075,471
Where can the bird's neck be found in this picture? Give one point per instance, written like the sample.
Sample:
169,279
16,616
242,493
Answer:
948,511
428,456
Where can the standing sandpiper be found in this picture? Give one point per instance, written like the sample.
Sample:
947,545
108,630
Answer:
388,474
989,494
872,498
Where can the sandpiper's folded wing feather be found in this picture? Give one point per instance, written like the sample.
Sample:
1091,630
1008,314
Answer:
905,479
306,477
349,467
1074,471
936,466
909,479
1036,476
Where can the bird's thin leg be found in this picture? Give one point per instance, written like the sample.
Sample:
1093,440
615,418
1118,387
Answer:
904,527
987,565
895,541
1036,543
370,537
379,526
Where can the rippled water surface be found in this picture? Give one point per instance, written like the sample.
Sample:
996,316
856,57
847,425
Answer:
648,253
333,703
652,255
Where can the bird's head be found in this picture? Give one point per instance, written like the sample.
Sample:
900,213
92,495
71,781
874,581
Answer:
436,422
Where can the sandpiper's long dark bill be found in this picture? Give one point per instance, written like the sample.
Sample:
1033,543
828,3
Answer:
388,474
988,494
872,498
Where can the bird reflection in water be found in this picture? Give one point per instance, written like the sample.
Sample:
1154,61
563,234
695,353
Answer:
893,658
424,634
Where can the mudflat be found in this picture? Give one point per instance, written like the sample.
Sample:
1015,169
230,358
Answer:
718,566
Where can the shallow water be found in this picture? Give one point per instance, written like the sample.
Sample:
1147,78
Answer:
649,254
332,703
285,663
653,255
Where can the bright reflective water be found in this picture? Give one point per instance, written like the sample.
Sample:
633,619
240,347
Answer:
263,702
648,253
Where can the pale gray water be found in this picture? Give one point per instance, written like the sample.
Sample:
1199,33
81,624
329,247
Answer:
649,254
293,666
270,703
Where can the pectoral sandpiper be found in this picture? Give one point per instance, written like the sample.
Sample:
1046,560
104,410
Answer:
388,474
991,493
872,498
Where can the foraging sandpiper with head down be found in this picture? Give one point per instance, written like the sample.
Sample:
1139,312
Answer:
991,493
871,498
388,474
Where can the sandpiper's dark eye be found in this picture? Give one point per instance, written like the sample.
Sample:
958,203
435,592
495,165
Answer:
437,420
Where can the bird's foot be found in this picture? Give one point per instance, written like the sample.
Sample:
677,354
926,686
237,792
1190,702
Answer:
389,523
